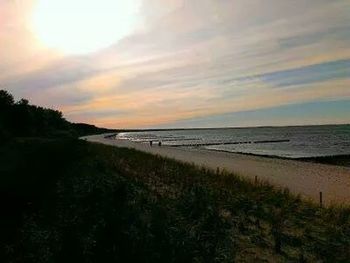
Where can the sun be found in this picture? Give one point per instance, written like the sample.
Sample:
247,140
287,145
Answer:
83,26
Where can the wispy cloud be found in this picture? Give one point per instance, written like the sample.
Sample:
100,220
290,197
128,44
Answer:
187,60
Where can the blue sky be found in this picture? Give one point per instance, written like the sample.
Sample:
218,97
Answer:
311,113
173,63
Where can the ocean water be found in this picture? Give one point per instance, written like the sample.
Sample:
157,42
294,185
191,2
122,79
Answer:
289,142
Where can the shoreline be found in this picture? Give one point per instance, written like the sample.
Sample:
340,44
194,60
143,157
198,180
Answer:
338,160
305,178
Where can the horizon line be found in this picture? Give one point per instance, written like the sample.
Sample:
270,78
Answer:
232,127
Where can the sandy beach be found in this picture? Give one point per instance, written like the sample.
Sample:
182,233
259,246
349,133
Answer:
306,179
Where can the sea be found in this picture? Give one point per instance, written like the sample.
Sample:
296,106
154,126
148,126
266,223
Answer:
287,142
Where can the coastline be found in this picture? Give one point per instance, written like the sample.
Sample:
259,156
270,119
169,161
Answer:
305,178
341,160
338,160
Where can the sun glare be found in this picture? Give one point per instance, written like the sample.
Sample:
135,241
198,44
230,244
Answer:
83,26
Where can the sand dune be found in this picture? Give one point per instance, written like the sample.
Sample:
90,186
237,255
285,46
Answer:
306,179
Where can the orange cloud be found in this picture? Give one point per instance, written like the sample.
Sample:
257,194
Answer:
191,59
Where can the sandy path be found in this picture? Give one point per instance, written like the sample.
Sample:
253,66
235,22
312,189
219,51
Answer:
307,179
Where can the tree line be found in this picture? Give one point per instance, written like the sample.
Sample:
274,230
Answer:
21,119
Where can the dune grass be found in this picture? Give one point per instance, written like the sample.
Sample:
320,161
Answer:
73,201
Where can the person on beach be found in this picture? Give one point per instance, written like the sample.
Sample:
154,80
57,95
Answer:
150,143
159,143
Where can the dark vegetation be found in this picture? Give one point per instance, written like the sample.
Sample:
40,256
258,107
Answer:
71,201
66,200
20,119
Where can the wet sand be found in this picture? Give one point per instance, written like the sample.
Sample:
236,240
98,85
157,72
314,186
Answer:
305,178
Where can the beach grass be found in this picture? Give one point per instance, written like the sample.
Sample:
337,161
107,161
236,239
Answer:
66,200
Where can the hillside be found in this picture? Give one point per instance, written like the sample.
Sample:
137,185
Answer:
21,119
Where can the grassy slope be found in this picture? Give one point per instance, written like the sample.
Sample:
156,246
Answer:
66,200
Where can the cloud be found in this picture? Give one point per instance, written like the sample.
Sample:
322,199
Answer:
187,60
323,112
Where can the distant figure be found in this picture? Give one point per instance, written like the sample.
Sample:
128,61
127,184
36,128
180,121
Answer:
159,143
150,143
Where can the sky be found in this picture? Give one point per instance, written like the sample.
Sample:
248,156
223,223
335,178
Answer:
180,63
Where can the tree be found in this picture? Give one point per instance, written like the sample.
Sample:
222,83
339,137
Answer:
23,102
21,119
6,99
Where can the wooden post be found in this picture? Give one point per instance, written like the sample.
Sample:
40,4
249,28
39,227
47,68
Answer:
321,200
256,180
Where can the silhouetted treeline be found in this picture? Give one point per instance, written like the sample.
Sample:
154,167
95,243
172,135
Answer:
85,129
20,119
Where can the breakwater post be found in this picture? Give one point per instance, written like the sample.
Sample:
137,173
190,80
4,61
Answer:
321,200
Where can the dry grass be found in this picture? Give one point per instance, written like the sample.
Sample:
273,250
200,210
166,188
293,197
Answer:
110,204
